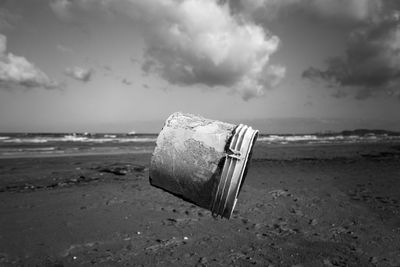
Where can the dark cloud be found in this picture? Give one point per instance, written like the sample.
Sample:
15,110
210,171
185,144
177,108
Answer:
18,71
79,73
372,60
339,94
148,65
394,93
338,11
364,93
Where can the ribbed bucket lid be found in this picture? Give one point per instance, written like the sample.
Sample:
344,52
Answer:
233,170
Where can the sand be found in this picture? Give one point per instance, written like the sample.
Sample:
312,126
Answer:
305,205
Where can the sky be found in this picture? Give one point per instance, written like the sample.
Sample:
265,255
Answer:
126,65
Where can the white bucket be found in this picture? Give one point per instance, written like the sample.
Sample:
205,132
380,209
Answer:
202,161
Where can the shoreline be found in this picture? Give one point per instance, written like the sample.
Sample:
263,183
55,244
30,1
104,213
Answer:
78,154
122,151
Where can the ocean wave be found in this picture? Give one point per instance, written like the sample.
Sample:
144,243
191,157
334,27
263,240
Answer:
74,138
280,138
70,151
40,149
138,139
142,139
79,139
26,140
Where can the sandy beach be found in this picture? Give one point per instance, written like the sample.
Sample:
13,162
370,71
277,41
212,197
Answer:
301,205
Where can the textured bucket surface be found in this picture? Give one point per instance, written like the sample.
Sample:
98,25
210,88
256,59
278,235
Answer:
202,160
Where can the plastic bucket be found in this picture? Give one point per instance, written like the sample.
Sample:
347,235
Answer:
202,161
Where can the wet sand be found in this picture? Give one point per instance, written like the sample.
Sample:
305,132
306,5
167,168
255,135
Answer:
304,205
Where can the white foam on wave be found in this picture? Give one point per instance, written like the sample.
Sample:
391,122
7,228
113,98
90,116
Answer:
287,138
114,140
137,139
82,139
26,140
4,137
73,138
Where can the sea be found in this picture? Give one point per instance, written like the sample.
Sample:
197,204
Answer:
64,144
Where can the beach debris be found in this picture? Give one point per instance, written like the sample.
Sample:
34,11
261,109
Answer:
139,168
203,260
178,221
203,161
373,260
120,169
282,228
279,192
165,243
115,170
114,200
52,185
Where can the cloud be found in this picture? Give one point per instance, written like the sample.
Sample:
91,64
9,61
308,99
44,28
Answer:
351,9
79,73
197,42
203,44
339,94
337,10
394,93
80,11
372,60
61,8
18,71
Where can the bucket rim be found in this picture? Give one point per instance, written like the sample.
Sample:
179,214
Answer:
233,171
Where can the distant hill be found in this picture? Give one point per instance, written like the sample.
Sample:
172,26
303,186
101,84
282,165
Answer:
363,132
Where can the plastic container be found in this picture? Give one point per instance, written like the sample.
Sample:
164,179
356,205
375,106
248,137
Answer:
202,161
